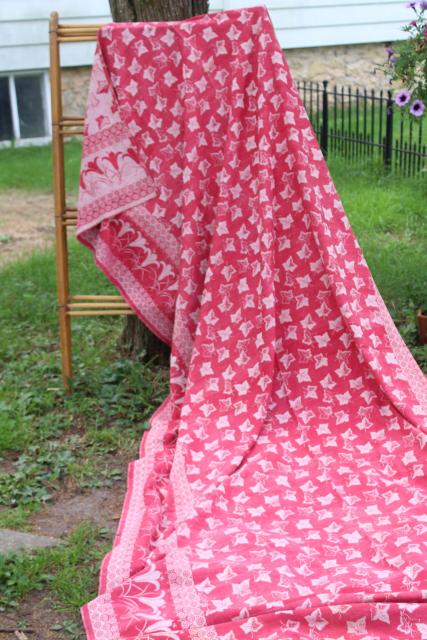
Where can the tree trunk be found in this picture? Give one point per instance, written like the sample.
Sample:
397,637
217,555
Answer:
156,10
136,339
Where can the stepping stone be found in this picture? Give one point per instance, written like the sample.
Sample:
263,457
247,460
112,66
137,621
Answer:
11,541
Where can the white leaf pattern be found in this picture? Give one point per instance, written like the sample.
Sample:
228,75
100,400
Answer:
280,492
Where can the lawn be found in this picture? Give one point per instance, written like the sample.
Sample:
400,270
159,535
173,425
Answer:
38,167
56,445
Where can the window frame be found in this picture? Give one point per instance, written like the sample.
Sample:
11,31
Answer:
17,141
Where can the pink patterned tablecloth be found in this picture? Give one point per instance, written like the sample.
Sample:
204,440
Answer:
280,492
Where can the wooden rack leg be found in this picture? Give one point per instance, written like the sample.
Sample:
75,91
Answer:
81,305
59,203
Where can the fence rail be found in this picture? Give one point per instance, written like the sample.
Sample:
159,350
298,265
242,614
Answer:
360,124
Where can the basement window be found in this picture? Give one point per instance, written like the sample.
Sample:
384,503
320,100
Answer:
24,108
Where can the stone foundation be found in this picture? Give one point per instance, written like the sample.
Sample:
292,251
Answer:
342,65
75,86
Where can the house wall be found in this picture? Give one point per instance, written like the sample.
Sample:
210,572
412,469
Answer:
355,65
299,25
338,40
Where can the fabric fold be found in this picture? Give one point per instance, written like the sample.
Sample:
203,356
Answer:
280,491
112,177
114,180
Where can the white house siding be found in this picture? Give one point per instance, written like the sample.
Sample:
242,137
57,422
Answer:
316,23
299,24
24,31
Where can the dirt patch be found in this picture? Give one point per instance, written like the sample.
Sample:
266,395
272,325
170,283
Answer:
7,462
26,223
102,506
39,620
37,614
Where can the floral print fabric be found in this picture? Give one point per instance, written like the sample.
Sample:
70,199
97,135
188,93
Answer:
280,492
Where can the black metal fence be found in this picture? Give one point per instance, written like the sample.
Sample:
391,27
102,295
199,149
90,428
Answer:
360,124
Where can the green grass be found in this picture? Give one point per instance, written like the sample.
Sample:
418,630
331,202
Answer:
388,215
51,441
112,397
67,571
37,161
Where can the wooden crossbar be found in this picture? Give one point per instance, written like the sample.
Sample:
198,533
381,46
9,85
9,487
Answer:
66,216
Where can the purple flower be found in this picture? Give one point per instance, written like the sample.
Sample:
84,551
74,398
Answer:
390,51
417,108
411,5
402,97
413,23
423,5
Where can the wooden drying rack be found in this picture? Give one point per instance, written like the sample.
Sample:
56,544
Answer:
65,215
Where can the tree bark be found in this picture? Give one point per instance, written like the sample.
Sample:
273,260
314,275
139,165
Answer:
156,10
136,339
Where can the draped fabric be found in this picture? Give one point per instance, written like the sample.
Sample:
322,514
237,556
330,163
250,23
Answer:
280,491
